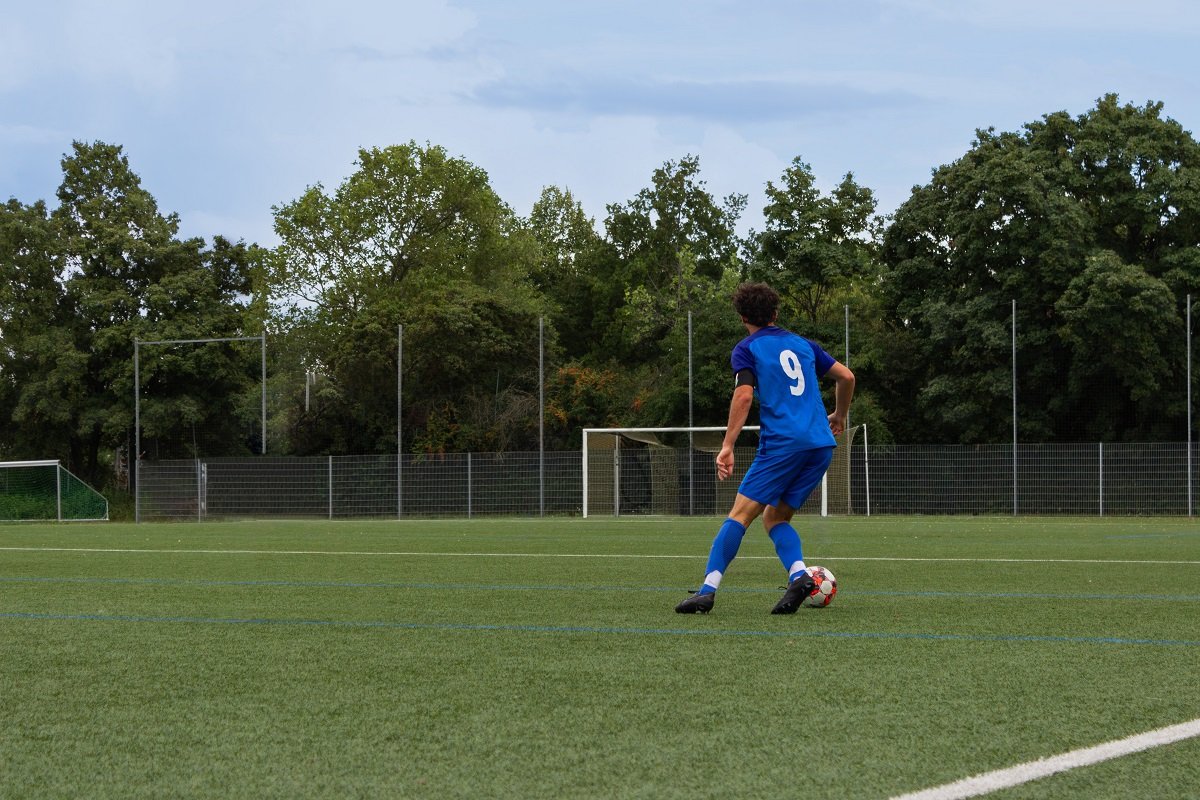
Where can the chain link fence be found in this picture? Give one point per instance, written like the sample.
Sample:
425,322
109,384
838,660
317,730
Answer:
1080,479
1063,479
341,487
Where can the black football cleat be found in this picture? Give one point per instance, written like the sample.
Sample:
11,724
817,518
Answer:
795,595
697,604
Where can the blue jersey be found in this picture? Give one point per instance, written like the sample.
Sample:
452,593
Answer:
786,367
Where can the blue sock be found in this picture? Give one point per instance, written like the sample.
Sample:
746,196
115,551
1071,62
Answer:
724,548
787,547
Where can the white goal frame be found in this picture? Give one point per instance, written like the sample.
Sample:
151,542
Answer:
618,432
58,493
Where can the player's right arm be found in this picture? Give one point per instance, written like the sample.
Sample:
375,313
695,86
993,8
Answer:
843,393
739,411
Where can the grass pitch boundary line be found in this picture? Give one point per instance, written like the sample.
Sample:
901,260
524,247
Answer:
694,556
989,782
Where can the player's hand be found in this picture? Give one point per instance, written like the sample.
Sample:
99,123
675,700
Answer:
725,463
837,423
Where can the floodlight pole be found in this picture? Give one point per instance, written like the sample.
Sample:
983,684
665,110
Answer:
1189,402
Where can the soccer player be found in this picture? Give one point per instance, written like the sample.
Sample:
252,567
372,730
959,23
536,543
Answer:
795,441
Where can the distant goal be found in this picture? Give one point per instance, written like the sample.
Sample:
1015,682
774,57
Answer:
671,472
32,491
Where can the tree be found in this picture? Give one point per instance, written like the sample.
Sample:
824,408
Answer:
1054,217
85,279
667,238
814,246
419,238
1130,314
34,419
409,217
571,256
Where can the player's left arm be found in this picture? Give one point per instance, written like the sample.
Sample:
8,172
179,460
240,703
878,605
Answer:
843,393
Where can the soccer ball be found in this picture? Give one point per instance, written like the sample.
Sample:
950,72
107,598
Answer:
825,589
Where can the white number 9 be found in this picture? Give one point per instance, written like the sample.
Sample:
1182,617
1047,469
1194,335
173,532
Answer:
791,366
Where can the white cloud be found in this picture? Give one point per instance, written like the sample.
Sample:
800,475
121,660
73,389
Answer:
230,106
1170,17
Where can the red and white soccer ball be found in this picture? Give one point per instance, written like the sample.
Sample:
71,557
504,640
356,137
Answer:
825,589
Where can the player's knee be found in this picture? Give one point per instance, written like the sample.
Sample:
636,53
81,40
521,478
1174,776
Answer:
773,516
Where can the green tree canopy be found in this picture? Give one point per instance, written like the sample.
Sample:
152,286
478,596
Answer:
671,236
571,258
1071,218
418,238
814,246
86,279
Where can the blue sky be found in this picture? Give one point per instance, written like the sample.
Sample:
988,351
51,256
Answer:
226,108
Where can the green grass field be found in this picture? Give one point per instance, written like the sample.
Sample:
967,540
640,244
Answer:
542,659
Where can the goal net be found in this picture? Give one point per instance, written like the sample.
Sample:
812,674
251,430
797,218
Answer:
670,471
45,490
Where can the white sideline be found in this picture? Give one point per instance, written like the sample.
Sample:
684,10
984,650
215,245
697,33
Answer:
1032,770
694,556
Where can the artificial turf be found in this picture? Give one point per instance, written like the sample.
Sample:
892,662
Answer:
541,658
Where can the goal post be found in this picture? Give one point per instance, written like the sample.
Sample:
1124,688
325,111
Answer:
47,491
669,471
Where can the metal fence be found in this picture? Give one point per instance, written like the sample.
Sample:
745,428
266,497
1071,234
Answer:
338,487
1076,479
1084,479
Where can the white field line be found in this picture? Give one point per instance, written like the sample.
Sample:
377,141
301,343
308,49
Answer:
1032,770
413,553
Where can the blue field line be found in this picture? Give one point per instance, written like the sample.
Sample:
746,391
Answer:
586,629
1163,535
1178,598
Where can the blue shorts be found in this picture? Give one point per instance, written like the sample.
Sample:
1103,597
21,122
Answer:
788,477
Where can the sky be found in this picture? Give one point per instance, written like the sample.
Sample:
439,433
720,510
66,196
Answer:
227,108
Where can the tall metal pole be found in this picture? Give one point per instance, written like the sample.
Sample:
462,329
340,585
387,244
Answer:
1189,402
1014,404
849,436
137,434
541,416
691,460
847,361
264,392
400,411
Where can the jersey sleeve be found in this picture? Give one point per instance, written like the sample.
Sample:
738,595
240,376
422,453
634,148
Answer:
823,359
742,358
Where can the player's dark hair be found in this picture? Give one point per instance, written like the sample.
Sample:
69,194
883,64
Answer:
757,303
